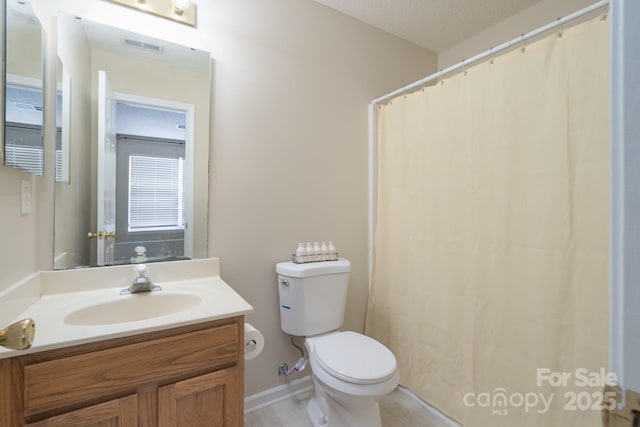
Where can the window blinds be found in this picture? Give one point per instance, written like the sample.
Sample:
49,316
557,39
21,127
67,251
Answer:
156,193
29,159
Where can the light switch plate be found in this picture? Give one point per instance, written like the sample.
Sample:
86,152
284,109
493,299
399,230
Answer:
25,197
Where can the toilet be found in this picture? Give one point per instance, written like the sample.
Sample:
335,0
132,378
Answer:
350,371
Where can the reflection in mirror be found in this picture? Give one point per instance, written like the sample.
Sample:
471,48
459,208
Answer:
63,123
23,147
138,148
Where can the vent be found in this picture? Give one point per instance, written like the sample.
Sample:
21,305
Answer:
138,44
181,126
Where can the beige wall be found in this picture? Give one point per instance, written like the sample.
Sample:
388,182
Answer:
288,161
18,232
289,157
27,240
541,13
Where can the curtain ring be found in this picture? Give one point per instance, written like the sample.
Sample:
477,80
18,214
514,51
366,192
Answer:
523,49
605,14
493,55
560,32
464,68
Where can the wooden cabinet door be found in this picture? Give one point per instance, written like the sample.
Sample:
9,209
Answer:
115,413
209,400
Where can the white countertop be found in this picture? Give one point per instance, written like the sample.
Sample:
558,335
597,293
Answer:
49,298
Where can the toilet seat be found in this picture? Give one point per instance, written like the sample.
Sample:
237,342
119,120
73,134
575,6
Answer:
355,358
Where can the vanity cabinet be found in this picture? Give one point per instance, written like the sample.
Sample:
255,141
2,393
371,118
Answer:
185,376
200,401
117,413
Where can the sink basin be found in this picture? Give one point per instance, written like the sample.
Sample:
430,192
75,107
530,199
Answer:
132,308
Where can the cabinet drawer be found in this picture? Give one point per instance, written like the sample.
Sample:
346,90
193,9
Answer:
72,380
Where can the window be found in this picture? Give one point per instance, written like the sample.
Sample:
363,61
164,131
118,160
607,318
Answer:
156,193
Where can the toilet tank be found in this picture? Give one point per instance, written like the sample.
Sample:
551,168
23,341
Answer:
312,296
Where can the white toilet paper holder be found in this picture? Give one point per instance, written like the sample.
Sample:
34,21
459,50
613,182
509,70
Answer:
250,346
253,342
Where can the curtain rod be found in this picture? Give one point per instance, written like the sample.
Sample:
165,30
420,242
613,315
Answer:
491,51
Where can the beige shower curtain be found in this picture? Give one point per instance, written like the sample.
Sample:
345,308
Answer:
491,248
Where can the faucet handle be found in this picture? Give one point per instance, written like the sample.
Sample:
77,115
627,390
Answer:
141,274
18,335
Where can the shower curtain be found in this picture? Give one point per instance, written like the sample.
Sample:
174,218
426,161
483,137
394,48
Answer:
490,279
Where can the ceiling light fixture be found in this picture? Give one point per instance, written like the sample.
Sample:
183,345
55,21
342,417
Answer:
182,11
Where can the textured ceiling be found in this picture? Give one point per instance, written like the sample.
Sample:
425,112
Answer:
433,24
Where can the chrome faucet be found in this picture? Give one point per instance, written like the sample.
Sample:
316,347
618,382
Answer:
142,282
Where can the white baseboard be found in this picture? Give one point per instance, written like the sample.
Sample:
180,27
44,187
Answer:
446,421
301,385
276,394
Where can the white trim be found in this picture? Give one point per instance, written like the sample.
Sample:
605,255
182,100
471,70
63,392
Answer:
302,385
189,150
617,211
65,137
373,166
189,176
624,345
276,394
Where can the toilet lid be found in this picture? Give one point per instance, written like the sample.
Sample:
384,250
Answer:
355,358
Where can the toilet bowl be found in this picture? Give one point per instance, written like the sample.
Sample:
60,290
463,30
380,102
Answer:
351,373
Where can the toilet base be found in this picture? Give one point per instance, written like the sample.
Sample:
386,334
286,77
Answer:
343,417
315,415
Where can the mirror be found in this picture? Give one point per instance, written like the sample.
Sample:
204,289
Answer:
63,123
137,126
24,73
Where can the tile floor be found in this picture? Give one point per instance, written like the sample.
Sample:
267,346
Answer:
397,410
